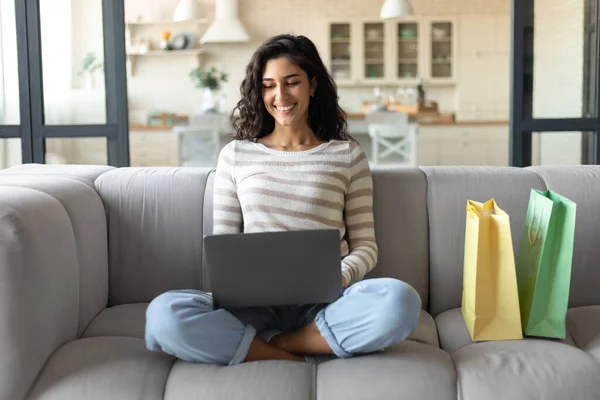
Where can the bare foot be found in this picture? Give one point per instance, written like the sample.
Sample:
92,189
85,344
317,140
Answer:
306,340
261,350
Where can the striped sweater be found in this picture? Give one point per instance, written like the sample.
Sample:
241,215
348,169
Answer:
258,189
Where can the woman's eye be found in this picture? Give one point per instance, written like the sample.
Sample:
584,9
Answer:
293,83
268,87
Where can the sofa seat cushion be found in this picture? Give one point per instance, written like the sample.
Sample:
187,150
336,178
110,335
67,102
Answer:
130,320
453,332
406,370
584,325
288,380
124,320
426,331
103,368
526,369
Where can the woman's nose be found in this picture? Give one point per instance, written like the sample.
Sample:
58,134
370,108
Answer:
280,92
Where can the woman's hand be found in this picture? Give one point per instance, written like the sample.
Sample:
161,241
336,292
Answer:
344,283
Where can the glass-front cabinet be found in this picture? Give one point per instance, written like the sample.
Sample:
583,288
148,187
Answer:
407,36
374,50
371,52
340,40
441,50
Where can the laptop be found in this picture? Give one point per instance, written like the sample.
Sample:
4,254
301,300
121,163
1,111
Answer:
274,268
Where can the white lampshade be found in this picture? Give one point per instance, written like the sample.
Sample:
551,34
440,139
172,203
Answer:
186,10
396,9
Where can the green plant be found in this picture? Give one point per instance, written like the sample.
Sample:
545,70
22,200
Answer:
208,78
89,64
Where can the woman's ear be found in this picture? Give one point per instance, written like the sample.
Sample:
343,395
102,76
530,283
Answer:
313,86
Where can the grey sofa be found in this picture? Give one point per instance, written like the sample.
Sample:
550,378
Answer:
83,250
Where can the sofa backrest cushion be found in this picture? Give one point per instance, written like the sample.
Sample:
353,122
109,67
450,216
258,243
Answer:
401,230
155,230
449,188
581,184
88,219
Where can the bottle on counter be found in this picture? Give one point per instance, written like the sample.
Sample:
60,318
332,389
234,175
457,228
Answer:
420,93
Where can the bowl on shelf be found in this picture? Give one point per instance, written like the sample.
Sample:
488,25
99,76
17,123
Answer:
374,34
439,33
407,33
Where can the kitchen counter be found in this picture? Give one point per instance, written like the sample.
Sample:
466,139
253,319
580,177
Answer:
353,118
432,121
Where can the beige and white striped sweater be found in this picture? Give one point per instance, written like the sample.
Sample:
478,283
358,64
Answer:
258,189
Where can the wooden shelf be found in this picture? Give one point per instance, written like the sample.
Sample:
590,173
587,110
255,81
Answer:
164,53
132,55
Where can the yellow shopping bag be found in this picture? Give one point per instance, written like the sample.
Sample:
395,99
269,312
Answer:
490,301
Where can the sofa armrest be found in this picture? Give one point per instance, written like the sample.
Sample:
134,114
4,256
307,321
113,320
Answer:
38,285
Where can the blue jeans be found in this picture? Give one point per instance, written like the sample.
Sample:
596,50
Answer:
371,315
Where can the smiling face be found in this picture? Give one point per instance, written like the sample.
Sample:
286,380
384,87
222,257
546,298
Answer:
286,92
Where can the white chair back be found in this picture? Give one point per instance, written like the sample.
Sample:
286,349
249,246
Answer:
200,140
392,133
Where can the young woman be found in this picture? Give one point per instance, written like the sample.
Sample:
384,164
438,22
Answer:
292,166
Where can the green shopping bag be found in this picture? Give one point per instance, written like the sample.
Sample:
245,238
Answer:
544,264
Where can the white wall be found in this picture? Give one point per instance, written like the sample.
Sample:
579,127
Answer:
558,76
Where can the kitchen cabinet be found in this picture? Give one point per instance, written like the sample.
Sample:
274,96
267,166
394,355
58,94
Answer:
463,145
153,148
375,52
483,77
150,147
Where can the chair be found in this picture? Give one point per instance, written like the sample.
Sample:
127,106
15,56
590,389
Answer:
392,133
200,140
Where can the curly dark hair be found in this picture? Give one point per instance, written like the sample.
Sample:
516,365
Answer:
325,117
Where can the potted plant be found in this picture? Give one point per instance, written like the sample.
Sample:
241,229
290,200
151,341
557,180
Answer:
209,80
88,67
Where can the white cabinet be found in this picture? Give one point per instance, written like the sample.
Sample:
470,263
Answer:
483,90
375,52
153,148
463,145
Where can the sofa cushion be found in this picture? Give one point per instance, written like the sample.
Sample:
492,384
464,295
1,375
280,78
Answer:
124,320
103,368
453,332
526,369
580,184
400,212
154,229
84,173
88,219
426,331
449,190
584,325
130,320
39,286
407,370
288,380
